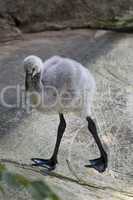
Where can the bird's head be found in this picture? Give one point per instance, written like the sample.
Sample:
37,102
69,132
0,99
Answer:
32,66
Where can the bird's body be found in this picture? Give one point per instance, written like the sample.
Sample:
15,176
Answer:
62,85
65,86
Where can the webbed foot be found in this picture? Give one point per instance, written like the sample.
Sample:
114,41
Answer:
46,163
99,164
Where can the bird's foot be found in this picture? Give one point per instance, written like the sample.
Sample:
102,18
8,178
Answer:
49,164
99,164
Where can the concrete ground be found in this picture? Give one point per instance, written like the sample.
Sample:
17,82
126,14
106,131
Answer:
109,56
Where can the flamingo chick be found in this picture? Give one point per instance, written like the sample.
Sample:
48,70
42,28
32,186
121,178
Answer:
63,85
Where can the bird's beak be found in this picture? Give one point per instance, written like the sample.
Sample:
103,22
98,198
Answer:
26,87
33,73
26,82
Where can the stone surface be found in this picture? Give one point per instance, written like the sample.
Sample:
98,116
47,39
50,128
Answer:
108,55
41,15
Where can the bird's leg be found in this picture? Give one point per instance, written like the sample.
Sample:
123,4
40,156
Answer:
50,164
100,164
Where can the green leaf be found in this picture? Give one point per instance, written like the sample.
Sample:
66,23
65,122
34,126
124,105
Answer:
2,189
41,191
38,189
10,179
2,167
22,180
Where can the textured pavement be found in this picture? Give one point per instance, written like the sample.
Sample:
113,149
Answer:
109,56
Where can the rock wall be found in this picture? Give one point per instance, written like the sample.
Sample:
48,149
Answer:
41,15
